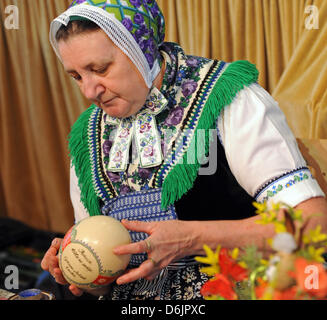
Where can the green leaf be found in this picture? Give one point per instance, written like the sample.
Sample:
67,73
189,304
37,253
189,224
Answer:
252,257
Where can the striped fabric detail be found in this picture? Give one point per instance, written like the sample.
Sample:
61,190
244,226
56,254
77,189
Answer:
142,205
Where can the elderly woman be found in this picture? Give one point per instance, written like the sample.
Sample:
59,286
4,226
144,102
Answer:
138,152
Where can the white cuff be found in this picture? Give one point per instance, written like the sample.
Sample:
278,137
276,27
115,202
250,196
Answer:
291,188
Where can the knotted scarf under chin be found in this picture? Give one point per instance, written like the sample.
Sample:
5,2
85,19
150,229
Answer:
143,127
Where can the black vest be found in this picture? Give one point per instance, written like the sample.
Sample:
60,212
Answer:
216,197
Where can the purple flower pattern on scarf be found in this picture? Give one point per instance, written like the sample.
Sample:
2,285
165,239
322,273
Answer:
175,117
145,127
136,3
128,24
114,177
146,24
189,87
124,189
124,133
144,173
107,147
143,44
118,156
192,62
138,18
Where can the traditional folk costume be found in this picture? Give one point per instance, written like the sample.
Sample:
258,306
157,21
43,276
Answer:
151,166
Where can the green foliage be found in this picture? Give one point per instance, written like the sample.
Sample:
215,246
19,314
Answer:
252,258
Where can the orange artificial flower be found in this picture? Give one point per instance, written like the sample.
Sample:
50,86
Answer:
311,277
219,286
230,268
261,288
288,294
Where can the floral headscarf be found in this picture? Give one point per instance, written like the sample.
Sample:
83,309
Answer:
137,27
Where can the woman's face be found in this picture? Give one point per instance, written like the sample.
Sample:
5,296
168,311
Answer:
105,75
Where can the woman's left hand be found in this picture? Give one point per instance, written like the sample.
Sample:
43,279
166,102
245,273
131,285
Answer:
168,241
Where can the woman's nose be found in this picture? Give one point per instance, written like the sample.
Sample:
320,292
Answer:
92,89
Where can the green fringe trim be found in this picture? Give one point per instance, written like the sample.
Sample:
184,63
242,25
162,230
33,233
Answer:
181,178
80,157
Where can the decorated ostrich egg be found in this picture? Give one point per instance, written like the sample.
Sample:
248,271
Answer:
85,255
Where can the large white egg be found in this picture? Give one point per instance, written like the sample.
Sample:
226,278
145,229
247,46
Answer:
85,255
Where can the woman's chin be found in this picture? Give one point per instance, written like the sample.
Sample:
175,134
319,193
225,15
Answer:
114,112
119,111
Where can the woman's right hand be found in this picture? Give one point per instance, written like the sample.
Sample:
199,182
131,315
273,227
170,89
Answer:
50,263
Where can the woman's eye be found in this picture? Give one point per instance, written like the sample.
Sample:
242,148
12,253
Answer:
76,77
101,70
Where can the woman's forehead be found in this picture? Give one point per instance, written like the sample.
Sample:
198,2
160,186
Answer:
88,49
90,41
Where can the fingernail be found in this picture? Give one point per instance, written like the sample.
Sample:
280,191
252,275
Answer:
54,242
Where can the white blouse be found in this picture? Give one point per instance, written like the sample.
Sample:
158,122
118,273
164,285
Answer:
261,151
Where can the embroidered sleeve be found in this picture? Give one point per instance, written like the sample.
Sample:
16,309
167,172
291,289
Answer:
261,150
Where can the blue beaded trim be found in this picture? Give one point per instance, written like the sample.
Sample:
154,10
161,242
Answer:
102,185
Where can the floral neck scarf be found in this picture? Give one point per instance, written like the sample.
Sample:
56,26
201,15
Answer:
180,83
142,127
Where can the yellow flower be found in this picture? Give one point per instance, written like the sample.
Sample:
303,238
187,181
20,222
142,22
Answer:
268,295
279,227
276,206
315,236
211,259
243,264
210,271
266,218
261,207
264,262
316,254
234,253
297,215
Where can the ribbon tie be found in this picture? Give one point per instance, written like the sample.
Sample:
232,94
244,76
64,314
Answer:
143,127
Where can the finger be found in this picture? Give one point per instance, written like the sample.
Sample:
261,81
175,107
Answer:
144,270
46,259
54,262
59,276
56,242
52,251
139,226
152,276
132,248
75,291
